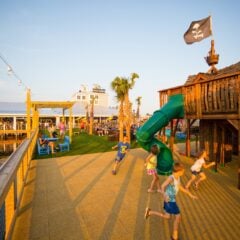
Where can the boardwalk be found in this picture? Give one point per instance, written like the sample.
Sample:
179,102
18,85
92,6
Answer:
77,197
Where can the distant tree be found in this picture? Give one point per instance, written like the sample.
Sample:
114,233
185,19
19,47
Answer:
138,100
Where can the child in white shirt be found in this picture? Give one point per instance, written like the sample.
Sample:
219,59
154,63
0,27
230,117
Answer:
196,170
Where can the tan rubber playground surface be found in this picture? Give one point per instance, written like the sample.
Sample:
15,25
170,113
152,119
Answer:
77,197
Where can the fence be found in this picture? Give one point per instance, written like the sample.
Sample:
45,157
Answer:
13,174
209,98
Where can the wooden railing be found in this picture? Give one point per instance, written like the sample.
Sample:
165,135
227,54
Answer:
209,99
13,174
12,131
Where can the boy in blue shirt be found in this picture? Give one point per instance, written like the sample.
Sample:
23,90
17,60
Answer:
123,147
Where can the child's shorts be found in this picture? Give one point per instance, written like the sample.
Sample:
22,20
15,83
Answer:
119,158
196,173
171,208
151,171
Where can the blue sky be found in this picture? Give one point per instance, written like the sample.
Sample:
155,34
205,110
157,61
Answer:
54,46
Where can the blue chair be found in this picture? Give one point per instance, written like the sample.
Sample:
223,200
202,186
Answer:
181,135
42,150
65,146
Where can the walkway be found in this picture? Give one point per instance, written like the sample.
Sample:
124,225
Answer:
77,198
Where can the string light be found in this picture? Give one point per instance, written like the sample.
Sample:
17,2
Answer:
11,72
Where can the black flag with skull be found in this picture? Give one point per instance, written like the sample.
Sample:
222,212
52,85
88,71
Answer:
198,30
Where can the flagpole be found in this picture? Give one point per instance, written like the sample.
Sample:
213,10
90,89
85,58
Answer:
212,58
211,25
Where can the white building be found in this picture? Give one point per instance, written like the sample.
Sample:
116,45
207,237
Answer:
15,112
84,95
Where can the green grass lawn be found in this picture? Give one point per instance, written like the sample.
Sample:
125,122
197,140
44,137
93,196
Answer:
84,144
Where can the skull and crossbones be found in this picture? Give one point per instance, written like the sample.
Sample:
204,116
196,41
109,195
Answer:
197,33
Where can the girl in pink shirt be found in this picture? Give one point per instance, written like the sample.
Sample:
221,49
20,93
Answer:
151,166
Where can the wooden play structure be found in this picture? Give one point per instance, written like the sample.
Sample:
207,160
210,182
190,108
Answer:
213,99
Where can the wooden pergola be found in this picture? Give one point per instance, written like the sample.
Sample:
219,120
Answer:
34,106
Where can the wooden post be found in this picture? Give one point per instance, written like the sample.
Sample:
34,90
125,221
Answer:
28,111
35,121
188,139
238,141
239,152
215,144
70,123
196,143
222,148
198,101
171,136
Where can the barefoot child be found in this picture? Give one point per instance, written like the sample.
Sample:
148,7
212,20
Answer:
151,166
170,189
196,170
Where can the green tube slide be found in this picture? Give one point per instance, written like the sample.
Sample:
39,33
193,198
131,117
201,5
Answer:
173,109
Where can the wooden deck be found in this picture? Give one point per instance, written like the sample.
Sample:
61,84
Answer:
77,197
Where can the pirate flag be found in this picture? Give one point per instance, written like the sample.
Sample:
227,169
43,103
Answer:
198,30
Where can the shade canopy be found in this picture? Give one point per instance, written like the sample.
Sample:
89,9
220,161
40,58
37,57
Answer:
47,104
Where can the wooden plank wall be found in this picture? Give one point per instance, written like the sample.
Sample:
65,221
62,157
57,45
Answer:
215,97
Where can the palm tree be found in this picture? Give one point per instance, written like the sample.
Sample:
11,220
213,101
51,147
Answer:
92,101
121,86
138,100
129,84
87,117
117,86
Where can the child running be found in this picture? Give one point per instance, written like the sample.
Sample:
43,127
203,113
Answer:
170,189
123,147
151,166
196,170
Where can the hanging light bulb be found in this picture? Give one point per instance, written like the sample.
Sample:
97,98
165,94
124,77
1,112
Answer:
19,82
9,70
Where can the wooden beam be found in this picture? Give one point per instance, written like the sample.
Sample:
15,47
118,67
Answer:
222,155
215,145
70,124
238,138
198,100
214,116
188,139
171,136
28,111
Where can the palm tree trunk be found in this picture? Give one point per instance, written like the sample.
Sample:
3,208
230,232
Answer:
138,111
91,118
120,121
128,117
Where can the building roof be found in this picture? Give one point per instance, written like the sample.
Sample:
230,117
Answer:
12,107
229,70
79,109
